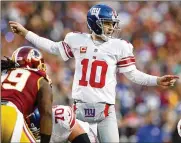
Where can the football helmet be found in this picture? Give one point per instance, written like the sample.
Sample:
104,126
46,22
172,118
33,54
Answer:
28,57
97,16
33,121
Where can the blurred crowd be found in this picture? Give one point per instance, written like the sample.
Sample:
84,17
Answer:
147,114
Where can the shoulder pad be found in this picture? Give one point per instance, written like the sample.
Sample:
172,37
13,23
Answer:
76,35
42,74
120,43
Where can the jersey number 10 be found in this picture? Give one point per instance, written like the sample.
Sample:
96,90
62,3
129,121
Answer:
92,78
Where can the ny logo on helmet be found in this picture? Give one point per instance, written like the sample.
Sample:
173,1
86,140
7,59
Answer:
95,11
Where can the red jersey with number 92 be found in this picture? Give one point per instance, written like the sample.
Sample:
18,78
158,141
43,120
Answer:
20,86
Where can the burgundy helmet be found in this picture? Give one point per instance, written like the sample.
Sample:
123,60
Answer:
29,57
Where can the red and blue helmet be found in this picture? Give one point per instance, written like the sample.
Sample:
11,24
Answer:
29,57
97,15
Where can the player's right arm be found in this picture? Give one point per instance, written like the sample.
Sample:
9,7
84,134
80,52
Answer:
45,98
57,48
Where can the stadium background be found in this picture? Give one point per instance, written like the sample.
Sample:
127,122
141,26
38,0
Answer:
154,29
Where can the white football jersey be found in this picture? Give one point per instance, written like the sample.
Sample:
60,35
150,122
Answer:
96,66
63,123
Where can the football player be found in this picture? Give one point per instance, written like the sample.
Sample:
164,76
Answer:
65,126
24,86
98,57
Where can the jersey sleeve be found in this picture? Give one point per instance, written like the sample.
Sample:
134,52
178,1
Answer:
126,59
65,48
57,48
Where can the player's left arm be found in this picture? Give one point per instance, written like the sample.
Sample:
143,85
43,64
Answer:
139,77
126,65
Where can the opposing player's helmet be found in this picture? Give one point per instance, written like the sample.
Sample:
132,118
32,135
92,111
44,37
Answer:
29,57
33,121
99,14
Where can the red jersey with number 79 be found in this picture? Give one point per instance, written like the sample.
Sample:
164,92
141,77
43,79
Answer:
20,86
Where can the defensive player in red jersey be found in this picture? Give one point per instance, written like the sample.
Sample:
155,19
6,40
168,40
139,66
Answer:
24,86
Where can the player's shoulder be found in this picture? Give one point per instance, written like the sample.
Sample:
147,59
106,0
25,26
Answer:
121,46
76,33
75,36
38,74
121,43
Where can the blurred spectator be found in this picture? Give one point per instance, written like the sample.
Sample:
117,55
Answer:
150,132
154,29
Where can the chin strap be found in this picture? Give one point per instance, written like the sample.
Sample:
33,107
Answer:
102,36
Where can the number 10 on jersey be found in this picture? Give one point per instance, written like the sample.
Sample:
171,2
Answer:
92,77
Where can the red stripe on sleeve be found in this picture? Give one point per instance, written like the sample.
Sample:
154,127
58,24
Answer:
126,61
72,123
72,115
126,65
67,50
72,120
131,57
106,110
63,43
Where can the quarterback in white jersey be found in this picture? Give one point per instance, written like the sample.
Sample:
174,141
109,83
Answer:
65,126
96,66
98,57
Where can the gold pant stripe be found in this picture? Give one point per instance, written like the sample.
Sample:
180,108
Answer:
18,128
9,117
28,133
